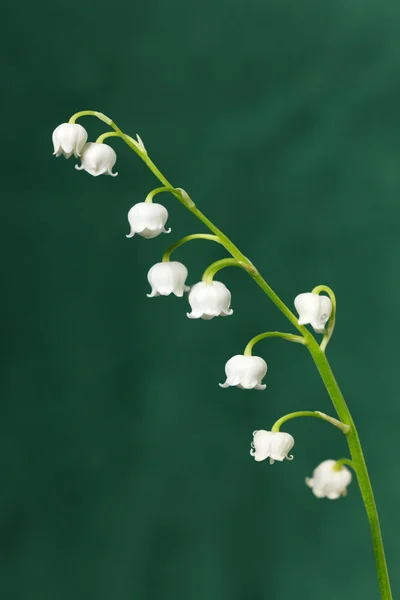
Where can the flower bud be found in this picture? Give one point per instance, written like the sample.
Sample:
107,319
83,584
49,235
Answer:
97,159
68,139
327,482
245,372
168,278
209,300
313,309
147,219
274,445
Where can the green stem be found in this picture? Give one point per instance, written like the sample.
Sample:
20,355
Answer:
316,352
188,238
359,466
286,336
308,413
106,135
213,269
341,462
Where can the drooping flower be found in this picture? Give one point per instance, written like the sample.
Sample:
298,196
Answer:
147,219
328,482
313,309
245,372
209,300
168,278
97,159
69,139
274,445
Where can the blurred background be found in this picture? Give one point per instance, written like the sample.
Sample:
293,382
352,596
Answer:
124,469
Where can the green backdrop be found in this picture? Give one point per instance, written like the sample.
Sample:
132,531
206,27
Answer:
124,469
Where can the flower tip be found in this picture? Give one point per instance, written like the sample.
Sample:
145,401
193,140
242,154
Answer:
130,235
79,168
113,174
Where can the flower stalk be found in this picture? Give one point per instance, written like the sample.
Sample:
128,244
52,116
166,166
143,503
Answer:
194,236
317,352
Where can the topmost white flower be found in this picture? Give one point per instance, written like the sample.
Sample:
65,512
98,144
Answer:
68,139
313,309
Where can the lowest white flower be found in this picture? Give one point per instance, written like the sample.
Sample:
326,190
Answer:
209,300
245,372
274,445
69,139
168,278
313,309
327,482
97,159
147,219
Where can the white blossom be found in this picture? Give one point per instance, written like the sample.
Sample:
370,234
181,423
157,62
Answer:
274,445
69,139
327,482
209,300
245,372
168,278
147,219
313,309
97,159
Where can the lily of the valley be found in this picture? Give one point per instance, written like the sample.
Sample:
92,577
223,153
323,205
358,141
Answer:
328,482
97,159
274,445
69,139
209,300
245,372
168,278
147,219
313,310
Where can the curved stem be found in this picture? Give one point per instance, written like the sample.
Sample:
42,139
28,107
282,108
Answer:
90,113
213,269
106,135
332,319
184,196
341,462
188,238
286,336
308,413
317,353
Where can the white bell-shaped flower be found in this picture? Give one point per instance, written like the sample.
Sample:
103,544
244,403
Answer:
327,482
168,278
97,159
69,139
209,300
147,219
245,372
274,445
313,309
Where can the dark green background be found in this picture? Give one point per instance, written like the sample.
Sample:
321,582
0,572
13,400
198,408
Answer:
124,469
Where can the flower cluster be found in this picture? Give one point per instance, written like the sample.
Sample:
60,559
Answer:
208,299
96,158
